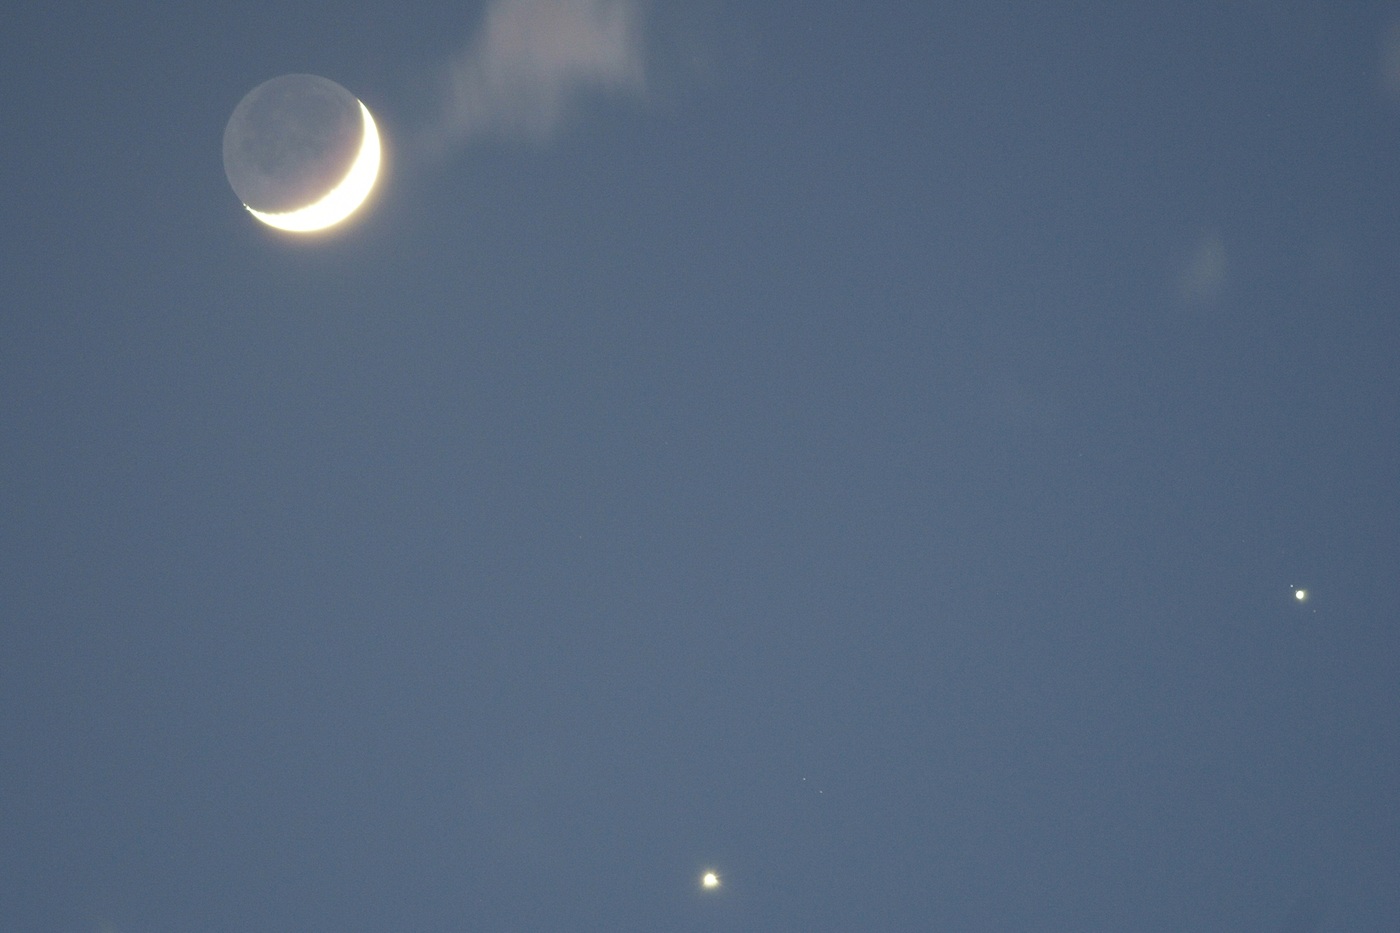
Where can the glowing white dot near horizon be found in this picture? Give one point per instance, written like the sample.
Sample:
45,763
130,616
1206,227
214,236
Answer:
1301,595
709,880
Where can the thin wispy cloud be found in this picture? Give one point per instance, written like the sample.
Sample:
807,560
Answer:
533,62
1390,60
1203,278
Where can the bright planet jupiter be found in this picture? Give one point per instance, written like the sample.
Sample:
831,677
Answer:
301,152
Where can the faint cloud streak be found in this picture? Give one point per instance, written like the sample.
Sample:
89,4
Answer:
1390,60
1203,279
531,64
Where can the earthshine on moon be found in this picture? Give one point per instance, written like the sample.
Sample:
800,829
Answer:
301,152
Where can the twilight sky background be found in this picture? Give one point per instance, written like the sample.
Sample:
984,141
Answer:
865,449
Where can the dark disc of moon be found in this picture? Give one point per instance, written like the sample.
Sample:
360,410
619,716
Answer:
291,140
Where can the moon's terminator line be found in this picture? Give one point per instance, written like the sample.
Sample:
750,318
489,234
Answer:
301,152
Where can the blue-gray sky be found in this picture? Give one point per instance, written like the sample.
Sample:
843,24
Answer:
869,450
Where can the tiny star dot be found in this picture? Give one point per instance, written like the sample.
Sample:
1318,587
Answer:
709,880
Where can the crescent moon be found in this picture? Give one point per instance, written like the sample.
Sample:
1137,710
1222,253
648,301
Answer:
342,200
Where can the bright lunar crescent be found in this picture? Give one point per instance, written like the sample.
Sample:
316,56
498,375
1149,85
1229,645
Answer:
301,152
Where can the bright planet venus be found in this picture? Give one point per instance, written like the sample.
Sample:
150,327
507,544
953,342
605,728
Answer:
301,152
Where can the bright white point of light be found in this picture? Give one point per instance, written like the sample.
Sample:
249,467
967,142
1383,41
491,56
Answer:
1300,595
709,880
